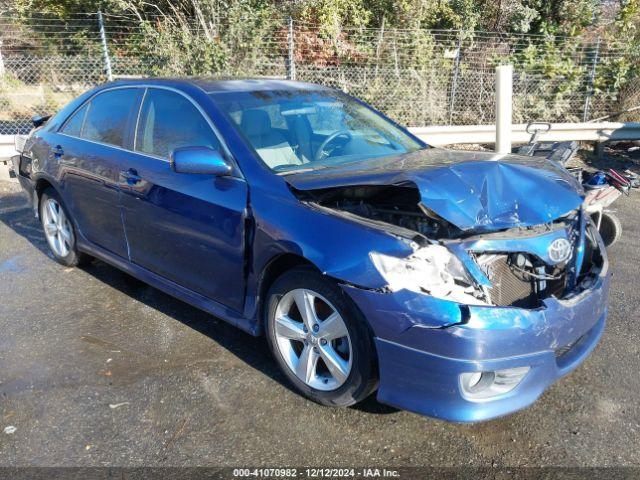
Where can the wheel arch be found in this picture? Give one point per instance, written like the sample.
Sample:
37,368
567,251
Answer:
279,265
285,263
40,185
273,269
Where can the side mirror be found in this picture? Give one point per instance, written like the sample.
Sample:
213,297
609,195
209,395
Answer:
203,160
39,120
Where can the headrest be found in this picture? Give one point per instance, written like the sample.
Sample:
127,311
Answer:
255,122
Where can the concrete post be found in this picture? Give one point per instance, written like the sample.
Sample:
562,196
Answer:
1,60
105,49
291,56
454,80
592,79
504,99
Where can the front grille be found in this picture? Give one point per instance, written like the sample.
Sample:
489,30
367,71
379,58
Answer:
521,286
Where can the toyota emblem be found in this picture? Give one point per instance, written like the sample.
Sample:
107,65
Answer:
559,250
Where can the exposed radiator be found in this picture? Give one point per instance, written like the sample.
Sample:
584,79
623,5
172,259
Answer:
509,287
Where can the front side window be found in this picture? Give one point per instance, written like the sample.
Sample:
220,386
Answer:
168,121
107,118
300,129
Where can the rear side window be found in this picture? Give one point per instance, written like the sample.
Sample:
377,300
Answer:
169,121
73,126
108,114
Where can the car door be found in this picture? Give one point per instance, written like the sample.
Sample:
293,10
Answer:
188,228
90,148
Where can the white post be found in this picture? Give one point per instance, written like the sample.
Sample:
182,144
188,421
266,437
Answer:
105,49
291,55
1,60
504,98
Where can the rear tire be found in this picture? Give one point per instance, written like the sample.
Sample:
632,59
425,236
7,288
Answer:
333,364
59,230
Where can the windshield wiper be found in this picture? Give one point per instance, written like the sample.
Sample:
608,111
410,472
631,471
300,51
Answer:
303,170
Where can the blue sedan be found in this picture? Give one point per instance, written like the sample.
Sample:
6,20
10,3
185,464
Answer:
458,285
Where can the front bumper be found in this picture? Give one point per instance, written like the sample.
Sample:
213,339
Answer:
424,343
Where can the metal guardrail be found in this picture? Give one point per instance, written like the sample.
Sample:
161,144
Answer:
7,146
483,134
7,150
486,134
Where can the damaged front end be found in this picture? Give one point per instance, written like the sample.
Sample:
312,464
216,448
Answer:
504,288
475,324
519,266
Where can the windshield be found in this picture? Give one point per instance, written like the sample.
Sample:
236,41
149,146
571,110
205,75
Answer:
293,130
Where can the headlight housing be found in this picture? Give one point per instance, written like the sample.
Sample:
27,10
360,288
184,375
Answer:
433,270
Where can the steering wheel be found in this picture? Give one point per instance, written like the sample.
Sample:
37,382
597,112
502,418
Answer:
320,153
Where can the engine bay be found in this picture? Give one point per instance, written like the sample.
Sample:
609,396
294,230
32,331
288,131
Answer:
396,205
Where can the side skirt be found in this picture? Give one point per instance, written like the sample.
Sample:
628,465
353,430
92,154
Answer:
171,288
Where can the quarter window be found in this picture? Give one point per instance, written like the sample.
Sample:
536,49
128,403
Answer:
73,126
168,121
108,115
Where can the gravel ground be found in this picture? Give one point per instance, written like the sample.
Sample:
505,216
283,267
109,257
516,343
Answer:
97,369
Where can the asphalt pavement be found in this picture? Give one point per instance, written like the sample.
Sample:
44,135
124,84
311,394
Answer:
96,368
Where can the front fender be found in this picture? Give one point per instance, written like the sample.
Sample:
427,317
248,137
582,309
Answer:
337,246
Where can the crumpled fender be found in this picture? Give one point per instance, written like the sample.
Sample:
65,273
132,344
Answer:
338,246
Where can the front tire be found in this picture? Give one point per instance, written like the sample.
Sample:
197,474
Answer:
59,230
319,339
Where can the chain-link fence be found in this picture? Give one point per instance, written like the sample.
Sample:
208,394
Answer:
629,106
417,77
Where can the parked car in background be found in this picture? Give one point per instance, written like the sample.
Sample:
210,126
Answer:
458,285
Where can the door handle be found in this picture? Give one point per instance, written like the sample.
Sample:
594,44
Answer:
130,176
58,151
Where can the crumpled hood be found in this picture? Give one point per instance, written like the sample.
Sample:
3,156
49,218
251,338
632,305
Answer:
471,190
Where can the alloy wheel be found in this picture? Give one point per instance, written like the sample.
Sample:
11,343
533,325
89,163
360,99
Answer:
313,339
57,228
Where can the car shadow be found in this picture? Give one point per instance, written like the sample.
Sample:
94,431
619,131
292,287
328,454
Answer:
15,214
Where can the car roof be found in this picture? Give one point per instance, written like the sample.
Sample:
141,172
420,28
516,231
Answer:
223,85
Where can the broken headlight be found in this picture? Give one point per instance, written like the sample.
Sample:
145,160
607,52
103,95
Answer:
433,270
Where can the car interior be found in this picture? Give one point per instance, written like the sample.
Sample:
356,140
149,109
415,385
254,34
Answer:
308,131
270,143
